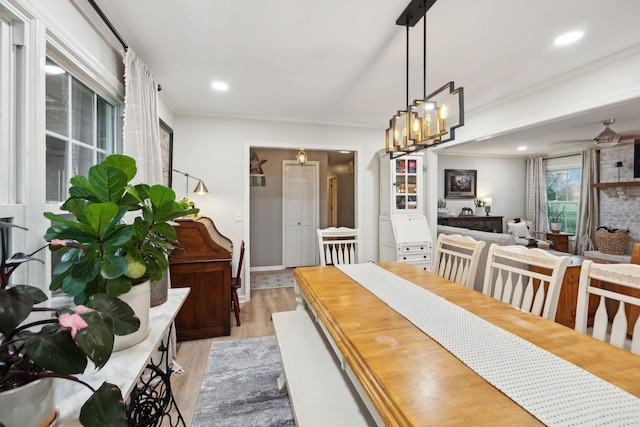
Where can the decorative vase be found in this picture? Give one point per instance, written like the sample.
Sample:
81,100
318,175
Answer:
160,290
32,404
556,227
480,211
138,298
443,212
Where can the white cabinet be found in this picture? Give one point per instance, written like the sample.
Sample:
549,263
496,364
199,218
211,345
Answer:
401,185
403,231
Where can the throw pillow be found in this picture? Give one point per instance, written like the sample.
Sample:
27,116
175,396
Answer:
519,230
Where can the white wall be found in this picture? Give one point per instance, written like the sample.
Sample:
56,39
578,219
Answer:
217,151
502,179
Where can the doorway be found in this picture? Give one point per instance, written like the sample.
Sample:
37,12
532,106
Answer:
332,201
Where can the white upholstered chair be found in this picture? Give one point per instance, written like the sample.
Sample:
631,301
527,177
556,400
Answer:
457,257
514,275
338,245
612,300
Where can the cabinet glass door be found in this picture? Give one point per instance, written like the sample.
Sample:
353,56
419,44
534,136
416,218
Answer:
406,184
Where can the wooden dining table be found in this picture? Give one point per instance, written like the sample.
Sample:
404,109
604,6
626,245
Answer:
410,379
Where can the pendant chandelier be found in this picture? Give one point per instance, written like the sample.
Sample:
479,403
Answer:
302,157
433,119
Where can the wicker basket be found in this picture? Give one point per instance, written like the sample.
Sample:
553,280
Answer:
612,243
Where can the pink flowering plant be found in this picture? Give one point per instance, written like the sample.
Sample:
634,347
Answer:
62,344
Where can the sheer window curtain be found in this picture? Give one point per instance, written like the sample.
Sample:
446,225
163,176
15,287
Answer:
142,140
141,120
589,207
536,193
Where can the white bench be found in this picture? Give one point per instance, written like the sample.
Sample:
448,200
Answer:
320,393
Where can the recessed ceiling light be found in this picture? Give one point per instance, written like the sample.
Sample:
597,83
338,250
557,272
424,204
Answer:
220,86
567,38
522,148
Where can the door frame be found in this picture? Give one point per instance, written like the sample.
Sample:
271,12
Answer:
358,161
316,202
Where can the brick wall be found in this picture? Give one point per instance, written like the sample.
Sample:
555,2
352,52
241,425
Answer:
620,207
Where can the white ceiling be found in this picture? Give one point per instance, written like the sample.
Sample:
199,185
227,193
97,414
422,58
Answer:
343,61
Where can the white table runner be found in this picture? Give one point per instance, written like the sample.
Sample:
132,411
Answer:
550,388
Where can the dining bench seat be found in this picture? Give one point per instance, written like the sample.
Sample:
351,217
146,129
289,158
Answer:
319,391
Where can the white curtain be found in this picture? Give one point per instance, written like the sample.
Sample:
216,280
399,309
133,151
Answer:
536,193
589,208
141,121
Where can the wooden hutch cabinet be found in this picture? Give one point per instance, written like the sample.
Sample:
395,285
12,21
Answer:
202,262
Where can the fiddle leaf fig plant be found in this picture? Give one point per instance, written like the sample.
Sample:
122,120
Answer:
103,249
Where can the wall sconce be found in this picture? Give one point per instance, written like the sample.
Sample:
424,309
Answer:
487,205
618,165
302,157
200,187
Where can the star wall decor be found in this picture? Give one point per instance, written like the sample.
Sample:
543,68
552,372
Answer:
255,164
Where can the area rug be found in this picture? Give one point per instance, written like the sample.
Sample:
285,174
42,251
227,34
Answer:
282,279
240,387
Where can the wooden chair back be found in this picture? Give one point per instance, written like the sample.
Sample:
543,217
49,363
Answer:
457,257
612,302
338,245
509,278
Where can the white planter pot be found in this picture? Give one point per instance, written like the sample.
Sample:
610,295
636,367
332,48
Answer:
30,405
480,211
556,227
138,299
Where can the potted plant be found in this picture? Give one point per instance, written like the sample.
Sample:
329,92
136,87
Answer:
59,346
442,208
109,254
554,215
479,203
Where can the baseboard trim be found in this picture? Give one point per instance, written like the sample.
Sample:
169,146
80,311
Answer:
267,268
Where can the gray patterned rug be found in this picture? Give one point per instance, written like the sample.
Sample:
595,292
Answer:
240,387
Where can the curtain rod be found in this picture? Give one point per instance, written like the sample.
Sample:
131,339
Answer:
560,157
112,28
108,24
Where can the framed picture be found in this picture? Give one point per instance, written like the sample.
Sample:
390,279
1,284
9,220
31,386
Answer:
166,149
460,183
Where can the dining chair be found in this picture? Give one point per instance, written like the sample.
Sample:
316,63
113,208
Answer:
457,258
338,245
509,277
236,283
620,282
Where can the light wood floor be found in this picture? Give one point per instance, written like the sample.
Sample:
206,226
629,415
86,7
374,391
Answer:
255,317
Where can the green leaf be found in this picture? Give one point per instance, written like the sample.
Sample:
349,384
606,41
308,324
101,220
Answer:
36,294
118,237
100,215
82,233
108,182
115,222
77,207
19,258
118,286
125,163
165,230
87,268
105,408
161,195
113,266
56,351
15,306
124,319
72,287
96,340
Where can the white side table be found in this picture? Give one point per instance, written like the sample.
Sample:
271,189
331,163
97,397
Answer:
125,367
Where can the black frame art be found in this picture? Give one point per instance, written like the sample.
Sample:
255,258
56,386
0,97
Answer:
460,183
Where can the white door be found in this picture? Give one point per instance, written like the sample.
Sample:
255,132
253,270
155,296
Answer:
300,191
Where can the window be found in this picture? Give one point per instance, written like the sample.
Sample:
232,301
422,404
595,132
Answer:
80,129
563,192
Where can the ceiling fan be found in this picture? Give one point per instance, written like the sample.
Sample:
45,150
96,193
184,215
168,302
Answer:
608,137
